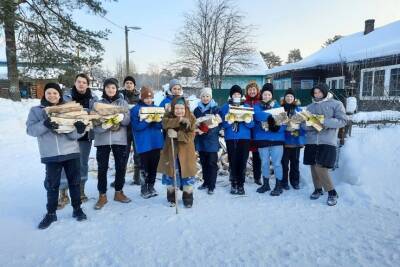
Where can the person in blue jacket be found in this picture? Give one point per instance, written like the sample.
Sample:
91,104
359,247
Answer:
206,140
270,139
149,141
294,141
237,139
175,89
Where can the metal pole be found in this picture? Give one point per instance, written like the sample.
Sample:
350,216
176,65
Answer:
126,51
175,183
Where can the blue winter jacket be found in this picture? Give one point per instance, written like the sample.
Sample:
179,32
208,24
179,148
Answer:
166,100
147,136
207,142
260,116
243,129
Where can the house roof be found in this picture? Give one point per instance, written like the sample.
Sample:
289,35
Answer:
383,41
257,67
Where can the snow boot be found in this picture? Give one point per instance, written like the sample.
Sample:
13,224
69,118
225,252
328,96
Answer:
84,198
101,202
121,197
240,190
210,191
187,199
332,198
144,191
202,187
277,189
152,191
296,187
63,199
171,197
316,194
79,215
265,187
48,219
285,185
257,180
234,189
136,176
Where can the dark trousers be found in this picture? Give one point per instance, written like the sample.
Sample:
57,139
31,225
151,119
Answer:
238,154
209,168
256,165
136,156
102,157
148,166
52,182
290,158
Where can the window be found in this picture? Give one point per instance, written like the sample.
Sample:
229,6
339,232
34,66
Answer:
335,82
380,82
394,87
306,84
282,84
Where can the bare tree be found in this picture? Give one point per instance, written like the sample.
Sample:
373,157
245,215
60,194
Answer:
214,40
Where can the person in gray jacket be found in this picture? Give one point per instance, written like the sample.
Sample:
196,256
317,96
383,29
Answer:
112,139
320,149
81,94
57,152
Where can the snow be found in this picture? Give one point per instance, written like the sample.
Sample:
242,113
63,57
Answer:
220,230
384,115
257,67
383,41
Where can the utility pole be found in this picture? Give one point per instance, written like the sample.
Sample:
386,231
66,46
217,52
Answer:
127,46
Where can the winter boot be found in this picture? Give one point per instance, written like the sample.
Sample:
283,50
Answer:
144,191
48,219
152,191
63,199
101,202
187,198
296,187
265,187
257,180
112,184
332,198
79,215
210,191
120,197
136,176
285,185
240,190
171,197
84,198
277,189
316,194
202,187
234,189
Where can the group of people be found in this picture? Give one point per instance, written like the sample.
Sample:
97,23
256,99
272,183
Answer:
169,146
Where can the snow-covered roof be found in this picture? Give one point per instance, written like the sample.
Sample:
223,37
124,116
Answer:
383,41
257,67
32,73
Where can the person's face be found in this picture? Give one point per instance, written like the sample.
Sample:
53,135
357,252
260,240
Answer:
81,85
129,85
176,90
179,110
289,99
111,90
236,95
148,100
252,91
318,93
52,96
205,99
266,96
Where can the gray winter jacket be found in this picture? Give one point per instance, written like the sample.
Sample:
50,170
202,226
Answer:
334,118
51,144
104,137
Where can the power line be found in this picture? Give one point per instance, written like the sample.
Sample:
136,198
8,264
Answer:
113,23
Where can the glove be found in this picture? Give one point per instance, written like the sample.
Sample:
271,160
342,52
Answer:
172,133
203,127
80,127
247,118
185,121
272,125
50,124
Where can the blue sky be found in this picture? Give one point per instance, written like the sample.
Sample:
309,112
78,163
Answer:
280,25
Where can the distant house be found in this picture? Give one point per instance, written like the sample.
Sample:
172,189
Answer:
364,64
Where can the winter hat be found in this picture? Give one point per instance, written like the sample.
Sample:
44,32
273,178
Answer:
146,92
290,92
235,89
206,91
54,86
267,87
174,82
110,81
130,78
321,86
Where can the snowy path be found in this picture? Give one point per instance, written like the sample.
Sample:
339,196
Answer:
220,230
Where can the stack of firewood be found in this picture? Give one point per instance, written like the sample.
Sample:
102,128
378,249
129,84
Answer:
108,116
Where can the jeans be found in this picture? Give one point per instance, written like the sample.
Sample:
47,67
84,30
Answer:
273,153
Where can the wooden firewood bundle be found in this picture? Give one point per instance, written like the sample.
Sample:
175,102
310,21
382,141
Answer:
210,120
109,116
279,115
313,120
239,114
67,114
151,114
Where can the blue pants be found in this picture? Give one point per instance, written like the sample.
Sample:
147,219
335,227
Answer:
186,182
273,153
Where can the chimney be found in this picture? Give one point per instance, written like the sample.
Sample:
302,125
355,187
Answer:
369,26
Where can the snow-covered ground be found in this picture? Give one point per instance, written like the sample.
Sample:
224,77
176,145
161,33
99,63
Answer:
220,230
